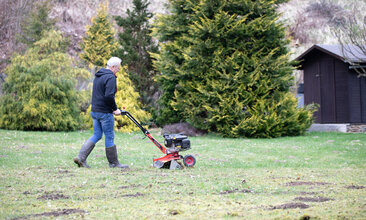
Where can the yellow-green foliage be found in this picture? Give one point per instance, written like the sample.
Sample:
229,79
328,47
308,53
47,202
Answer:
99,41
39,92
97,45
128,98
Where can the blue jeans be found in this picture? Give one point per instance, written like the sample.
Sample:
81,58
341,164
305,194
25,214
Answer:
103,122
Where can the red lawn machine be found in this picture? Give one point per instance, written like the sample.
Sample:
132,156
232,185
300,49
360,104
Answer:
174,143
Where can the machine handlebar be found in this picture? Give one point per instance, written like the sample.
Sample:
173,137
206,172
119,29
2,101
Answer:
124,112
146,132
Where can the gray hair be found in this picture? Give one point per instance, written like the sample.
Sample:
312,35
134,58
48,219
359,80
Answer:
114,61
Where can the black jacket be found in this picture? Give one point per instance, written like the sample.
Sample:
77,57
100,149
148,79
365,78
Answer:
104,90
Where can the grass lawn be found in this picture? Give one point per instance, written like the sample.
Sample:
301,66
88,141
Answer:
318,175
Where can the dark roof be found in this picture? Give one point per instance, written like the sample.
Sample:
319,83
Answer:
350,53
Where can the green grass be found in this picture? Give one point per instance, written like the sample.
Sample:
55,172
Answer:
232,179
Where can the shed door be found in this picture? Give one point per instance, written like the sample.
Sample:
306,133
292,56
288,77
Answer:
327,90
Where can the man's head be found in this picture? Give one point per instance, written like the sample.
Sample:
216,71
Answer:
114,64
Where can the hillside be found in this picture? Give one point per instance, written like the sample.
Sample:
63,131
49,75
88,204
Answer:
308,21
313,21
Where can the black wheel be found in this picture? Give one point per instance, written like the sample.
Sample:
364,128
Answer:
189,161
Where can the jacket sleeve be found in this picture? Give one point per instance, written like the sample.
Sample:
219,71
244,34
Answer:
110,92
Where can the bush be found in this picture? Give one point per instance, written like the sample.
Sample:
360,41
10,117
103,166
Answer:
39,92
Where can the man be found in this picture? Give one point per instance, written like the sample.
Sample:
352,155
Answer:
102,111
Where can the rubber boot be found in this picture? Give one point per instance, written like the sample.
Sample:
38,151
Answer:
85,150
112,157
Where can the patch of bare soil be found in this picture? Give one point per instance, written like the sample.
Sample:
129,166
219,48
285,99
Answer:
52,214
22,147
355,187
170,183
53,196
133,195
235,191
312,199
63,171
175,212
37,192
301,183
291,205
308,193
130,186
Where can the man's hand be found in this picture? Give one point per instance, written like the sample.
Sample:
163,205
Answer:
117,112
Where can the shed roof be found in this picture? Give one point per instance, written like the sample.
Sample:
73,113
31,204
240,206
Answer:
350,53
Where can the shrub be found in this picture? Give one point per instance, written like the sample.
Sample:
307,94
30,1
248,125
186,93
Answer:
39,92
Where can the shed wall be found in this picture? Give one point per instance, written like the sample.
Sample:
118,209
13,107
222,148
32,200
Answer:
341,92
329,82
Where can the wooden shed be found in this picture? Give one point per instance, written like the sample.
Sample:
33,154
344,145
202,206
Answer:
330,79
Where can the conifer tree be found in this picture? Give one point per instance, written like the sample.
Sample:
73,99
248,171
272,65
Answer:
36,23
39,92
135,44
99,41
129,99
171,29
227,69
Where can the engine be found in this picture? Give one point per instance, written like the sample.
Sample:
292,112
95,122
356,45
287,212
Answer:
176,142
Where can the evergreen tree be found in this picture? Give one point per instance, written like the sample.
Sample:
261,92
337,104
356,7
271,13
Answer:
99,41
136,43
171,29
128,98
39,92
229,72
36,23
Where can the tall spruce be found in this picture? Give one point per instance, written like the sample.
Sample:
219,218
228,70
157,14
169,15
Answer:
135,44
170,30
224,68
39,92
99,42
